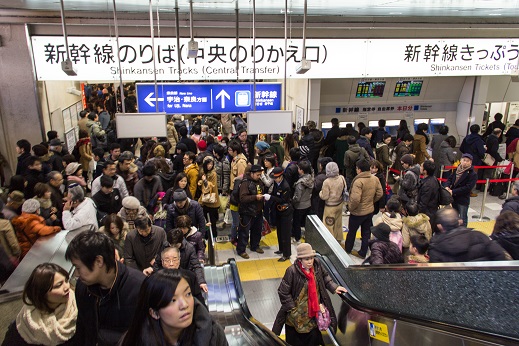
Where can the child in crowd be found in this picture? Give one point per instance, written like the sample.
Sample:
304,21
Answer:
418,249
392,218
192,235
414,224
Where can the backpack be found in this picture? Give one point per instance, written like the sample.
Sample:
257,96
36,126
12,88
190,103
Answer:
75,152
235,194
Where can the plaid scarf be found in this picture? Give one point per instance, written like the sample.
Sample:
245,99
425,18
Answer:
459,171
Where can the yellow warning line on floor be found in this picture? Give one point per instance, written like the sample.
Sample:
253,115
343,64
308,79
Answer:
262,269
485,227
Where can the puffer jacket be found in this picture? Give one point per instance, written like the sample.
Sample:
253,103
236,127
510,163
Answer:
30,227
415,225
382,152
354,153
395,223
446,156
420,149
8,239
333,188
509,240
97,134
464,245
384,252
238,165
192,177
290,287
196,239
172,136
511,204
223,174
302,198
365,191
409,184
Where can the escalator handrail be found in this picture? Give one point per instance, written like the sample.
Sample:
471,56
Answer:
245,308
445,327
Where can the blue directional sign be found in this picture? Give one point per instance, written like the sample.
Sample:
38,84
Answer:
207,98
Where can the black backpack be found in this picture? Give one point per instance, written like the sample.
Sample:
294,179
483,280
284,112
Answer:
235,194
75,152
444,196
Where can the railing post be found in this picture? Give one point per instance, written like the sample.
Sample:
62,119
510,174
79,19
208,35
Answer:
510,182
481,216
210,245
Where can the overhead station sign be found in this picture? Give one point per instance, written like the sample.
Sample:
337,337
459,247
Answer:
207,98
95,58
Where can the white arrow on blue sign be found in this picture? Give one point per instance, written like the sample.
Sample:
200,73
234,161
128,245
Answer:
222,95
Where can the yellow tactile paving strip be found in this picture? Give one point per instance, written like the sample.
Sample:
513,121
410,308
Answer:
484,226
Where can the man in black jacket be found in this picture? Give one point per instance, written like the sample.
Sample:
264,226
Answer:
143,243
185,206
106,292
496,124
251,212
460,184
331,137
108,200
291,171
282,206
455,243
306,144
428,190
23,149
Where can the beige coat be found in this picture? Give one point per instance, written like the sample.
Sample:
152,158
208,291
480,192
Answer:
209,187
238,165
85,152
413,225
365,191
420,149
331,192
172,136
8,239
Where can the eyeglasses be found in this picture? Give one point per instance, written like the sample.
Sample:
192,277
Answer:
170,260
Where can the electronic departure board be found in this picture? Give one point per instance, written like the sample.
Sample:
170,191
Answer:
370,89
408,88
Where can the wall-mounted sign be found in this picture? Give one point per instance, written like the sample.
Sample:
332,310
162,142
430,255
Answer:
95,58
208,98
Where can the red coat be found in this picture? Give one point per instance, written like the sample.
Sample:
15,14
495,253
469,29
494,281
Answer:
30,227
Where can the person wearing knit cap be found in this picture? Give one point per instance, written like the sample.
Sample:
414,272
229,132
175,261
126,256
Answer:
262,149
131,210
408,182
43,153
383,251
182,205
202,145
309,279
30,226
331,193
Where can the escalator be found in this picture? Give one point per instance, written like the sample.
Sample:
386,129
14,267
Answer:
424,304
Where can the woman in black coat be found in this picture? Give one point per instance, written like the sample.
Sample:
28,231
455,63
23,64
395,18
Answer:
300,304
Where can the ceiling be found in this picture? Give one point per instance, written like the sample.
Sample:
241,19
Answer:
475,10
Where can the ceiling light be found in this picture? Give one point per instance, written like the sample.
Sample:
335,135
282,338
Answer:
494,14
395,12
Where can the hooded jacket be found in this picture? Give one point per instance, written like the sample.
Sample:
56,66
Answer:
290,287
382,151
354,153
509,240
196,239
409,184
238,165
302,198
384,252
473,144
415,225
365,191
194,211
333,186
464,245
30,227
395,223
104,315
511,204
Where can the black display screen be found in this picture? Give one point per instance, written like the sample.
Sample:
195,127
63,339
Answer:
408,88
370,89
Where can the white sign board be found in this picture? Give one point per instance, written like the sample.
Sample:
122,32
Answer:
269,122
94,58
135,125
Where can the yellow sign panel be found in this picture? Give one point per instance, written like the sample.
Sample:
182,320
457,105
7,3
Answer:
378,331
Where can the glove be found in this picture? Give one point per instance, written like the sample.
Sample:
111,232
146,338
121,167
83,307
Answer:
266,196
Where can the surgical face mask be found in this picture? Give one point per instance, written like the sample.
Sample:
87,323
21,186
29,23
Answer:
203,134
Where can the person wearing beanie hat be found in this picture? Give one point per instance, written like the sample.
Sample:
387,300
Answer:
282,209
43,153
30,226
202,145
332,195
131,210
408,183
460,186
262,150
383,251
306,277
182,205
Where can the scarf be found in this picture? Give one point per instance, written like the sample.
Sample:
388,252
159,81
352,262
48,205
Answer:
42,328
83,141
313,299
459,171
44,203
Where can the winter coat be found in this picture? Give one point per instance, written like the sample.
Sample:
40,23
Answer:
395,223
302,198
331,136
118,184
332,190
509,240
97,134
226,120
30,227
104,317
172,136
86,155
493,148
354,153
306,145
8,240
209,187
194,211
196,239
365,191
277,149
238,165
364,142
82,215
192,177
145,191
464,245
436,143
317,202
384,252
473,144
119,243
381,203
510,135
223,174
291,285
33,177
382,152
129,179
191,144
130,220
428,196
188,260
415,225
291,174
420,149
461,190
341,146
409,184
249,188
511,204
447,156
139,254
496,124
400,150
377,137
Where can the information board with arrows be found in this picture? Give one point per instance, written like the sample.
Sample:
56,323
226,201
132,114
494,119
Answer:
207,98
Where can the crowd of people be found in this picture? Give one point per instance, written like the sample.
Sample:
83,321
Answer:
154,209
